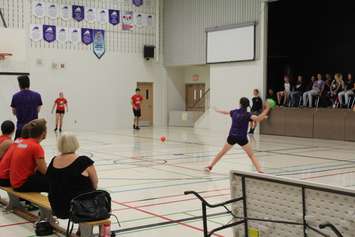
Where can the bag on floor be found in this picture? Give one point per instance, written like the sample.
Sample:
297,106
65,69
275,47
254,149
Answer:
43,228
90,206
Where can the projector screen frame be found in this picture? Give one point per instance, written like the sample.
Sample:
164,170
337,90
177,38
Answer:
228,27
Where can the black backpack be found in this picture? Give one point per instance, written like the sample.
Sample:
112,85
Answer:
90,206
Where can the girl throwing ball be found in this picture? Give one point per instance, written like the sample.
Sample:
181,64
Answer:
238,132
61,106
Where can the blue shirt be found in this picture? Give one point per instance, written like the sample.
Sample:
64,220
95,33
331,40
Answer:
240,123
26,104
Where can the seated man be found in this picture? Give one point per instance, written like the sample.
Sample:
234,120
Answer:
317,89
6,160
7,129
28,166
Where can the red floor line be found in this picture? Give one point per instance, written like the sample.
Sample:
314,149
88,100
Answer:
162,217
15,224
177,195
170,202
328,175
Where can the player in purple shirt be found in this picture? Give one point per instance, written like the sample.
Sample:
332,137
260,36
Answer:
238,132
25,104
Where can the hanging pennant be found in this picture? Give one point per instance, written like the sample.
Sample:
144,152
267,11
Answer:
86,36
137,3
74,35
149,21
99,43
52,10
78,12
62,34
38,9
90,15
114,17
65,12
49,33
36,32
139,20
127,20
102,16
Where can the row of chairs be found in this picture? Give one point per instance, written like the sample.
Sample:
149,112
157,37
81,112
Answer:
316,100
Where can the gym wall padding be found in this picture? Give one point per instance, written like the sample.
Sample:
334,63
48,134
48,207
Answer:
335,124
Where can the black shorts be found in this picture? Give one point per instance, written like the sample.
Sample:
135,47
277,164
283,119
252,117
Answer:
60,112
257,112
137,113
236,140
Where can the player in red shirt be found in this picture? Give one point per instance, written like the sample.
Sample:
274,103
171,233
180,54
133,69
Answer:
6,159
28,167
7,130
136,101
61,106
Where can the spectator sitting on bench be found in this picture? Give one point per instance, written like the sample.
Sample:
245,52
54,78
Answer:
28,166
336,86
297,91
317,89
7,130
69,175
283,96
324,100
6,160
349,89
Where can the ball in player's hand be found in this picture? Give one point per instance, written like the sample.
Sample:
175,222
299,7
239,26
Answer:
162,138
272,103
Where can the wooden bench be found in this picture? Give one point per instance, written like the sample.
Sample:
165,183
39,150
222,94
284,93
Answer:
45,210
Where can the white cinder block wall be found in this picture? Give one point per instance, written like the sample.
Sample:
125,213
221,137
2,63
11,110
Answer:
229,81
98,90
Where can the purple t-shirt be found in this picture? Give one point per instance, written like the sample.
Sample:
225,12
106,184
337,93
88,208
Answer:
240,123
26,103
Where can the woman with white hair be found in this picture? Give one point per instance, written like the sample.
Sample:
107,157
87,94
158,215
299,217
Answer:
69,175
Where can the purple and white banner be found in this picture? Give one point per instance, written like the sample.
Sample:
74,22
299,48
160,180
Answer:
78,12
74,35
52,10
99,43
36,32
137,3
38,9
65,12
86,36
49,33
114,17
102,16
62,34
90,14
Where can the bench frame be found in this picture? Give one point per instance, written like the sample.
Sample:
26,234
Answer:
14,205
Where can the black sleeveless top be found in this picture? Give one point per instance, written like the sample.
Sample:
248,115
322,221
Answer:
67,183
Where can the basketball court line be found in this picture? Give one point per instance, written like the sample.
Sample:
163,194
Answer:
192,218
163,217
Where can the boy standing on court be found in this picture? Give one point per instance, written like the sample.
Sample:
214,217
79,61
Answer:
25,104
136,101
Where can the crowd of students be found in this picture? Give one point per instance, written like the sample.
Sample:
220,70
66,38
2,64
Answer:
22,160
328,91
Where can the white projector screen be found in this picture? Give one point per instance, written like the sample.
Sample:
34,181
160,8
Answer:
231,45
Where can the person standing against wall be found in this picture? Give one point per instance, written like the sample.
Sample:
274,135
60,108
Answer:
136,101
25,104
61,106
